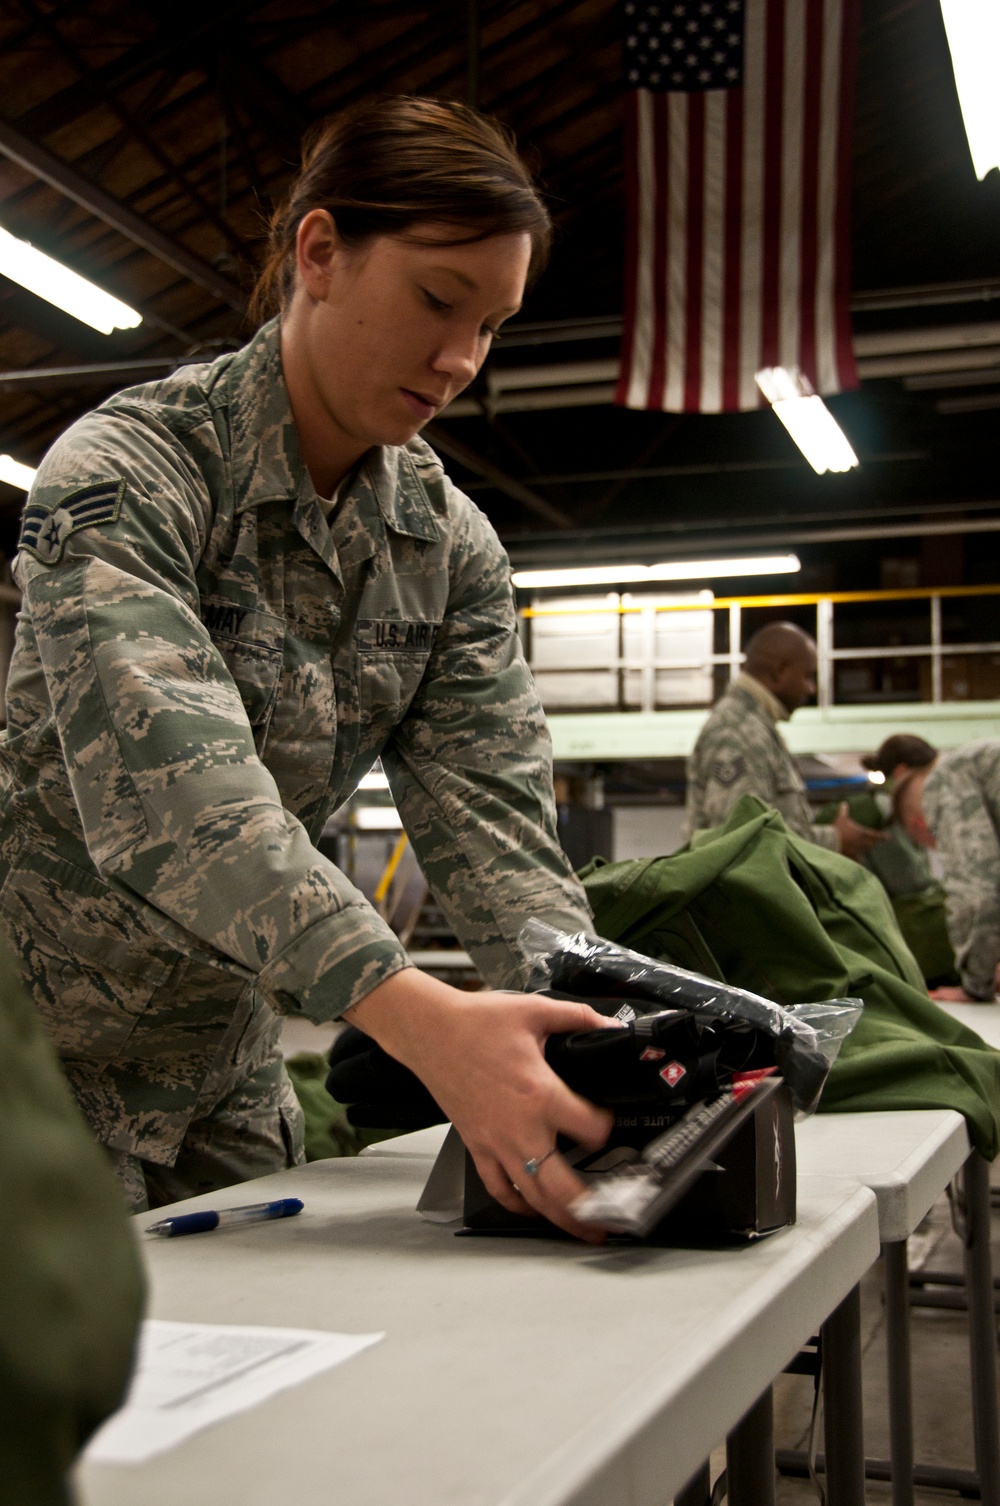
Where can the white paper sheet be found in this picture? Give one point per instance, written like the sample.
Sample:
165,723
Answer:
189,1375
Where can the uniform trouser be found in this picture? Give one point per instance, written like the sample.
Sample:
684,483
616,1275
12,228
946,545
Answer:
139,1028
256,1128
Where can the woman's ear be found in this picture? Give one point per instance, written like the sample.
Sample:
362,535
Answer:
317,246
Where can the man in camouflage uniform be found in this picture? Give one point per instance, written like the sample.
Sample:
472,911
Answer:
955,807
740,751
205,668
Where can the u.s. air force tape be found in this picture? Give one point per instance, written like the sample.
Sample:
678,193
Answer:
44,530
394,636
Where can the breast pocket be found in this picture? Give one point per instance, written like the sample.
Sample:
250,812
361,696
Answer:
87,957
392,662
252,645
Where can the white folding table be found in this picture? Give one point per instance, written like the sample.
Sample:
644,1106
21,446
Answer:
908,1158
514,1372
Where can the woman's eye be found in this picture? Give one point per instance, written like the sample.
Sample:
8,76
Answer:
487,333
437,304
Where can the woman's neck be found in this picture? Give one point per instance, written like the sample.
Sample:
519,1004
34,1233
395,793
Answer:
328,452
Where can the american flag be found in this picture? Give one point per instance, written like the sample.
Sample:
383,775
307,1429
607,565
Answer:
738,140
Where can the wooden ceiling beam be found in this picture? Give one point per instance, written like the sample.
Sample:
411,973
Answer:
169,47
45,165
110,98
443,440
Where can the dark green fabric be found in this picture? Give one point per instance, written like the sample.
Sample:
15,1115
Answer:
71,1288
902,866
918,900
752,904
861,807
328,1133
923,920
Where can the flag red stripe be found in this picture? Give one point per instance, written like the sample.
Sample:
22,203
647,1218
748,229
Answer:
695,246
654,397
631,241
808,250
733,240
774,93
847,368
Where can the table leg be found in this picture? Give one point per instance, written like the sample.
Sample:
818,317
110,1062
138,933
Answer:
982,1327
843,1424
750,1456
698,1490
897,1333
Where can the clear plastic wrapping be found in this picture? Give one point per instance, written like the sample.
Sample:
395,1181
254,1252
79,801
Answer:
807,1037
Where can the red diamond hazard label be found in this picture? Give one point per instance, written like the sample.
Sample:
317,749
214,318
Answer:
652,1054
672,1073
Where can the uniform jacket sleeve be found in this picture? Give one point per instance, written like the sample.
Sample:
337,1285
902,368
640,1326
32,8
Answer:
957,813
471,769
176,807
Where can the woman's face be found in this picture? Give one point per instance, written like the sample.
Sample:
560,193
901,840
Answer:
379,337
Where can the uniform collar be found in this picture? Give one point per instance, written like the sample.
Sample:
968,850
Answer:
772,708
267,461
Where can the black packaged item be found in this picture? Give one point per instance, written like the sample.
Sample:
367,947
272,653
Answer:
652,1068
806,1037
380,1093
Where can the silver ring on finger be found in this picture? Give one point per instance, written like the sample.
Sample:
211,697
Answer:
533,1165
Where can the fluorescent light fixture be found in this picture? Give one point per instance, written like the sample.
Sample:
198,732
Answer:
16,474
69,291
807,419
378,818
375,780
611,575
973,30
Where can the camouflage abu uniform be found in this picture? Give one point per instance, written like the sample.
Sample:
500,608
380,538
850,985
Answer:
962,808
204,670
741,752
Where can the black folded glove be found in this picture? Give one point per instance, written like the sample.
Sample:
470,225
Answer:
660,1062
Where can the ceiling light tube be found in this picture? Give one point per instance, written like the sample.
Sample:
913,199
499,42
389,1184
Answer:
807,419
49,279
622,575
16,474
973,31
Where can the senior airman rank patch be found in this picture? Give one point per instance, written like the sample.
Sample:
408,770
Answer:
44,530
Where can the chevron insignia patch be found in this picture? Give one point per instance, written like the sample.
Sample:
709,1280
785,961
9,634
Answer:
44,530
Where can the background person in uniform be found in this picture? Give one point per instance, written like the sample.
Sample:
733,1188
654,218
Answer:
954,806
242,585
902,865
741,752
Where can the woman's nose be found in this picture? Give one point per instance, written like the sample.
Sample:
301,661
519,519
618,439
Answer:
460,357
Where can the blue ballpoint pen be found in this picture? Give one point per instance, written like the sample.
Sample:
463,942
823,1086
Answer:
250,1213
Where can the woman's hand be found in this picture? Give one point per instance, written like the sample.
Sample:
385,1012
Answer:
481,1056
951,995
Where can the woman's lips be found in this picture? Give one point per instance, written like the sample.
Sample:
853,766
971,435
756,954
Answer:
421,406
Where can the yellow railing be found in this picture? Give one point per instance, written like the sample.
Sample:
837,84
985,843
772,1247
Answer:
936,650
793,599
385,882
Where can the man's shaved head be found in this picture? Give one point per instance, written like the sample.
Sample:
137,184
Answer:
783,658
778,644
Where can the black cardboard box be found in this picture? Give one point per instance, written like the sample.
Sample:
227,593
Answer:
747,1192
